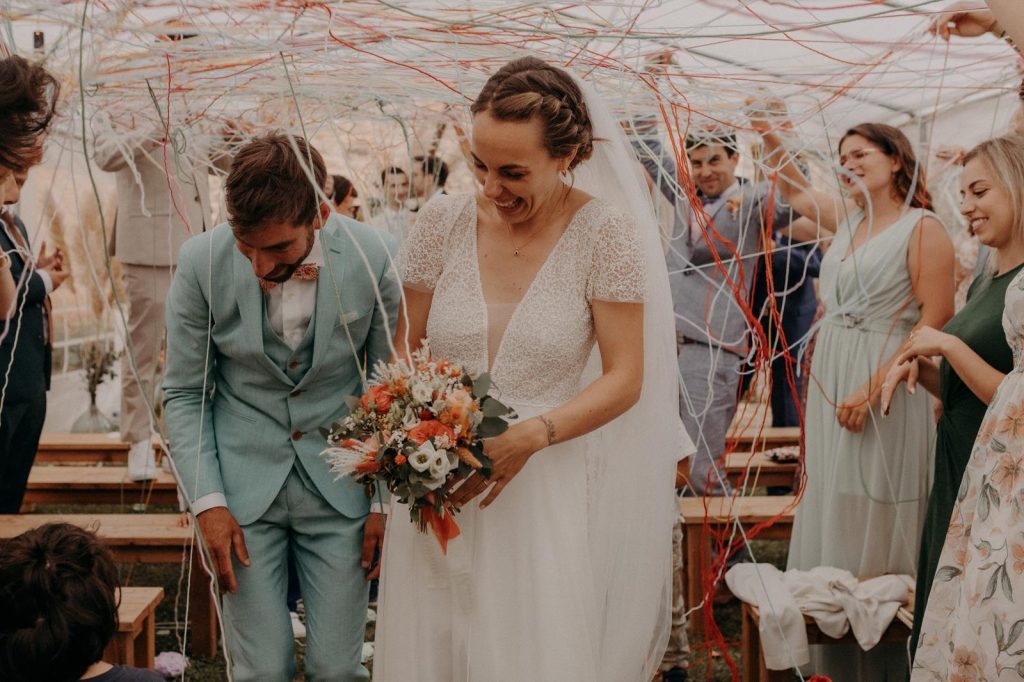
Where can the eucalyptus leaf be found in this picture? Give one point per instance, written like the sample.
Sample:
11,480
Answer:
481,385
492,408
491,427
326,433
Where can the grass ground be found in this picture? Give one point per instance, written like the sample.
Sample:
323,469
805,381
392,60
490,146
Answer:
706,662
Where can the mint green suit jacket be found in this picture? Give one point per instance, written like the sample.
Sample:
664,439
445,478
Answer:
236,422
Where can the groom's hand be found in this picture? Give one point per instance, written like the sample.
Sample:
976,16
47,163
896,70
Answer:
373,540
222,534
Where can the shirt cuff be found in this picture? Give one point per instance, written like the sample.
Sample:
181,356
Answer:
207,502
378,508
47,280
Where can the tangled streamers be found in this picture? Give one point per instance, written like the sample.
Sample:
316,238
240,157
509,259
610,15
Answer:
374,83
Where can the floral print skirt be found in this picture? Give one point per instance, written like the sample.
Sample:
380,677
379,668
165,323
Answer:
973,626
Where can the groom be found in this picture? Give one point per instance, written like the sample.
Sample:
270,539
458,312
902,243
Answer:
272,319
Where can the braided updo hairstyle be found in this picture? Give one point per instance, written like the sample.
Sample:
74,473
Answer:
58,608
529,87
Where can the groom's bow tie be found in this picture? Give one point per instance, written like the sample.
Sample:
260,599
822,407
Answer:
304,273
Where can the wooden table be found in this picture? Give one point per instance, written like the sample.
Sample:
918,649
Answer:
702,515
97,485
754,669
763,437
746,470
142,538
135,642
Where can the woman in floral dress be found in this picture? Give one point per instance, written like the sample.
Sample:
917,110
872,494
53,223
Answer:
973,625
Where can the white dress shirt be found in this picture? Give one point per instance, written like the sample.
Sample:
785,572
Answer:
290,307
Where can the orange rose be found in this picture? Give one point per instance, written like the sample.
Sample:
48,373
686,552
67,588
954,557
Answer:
426,430
381,398
458,406
400,459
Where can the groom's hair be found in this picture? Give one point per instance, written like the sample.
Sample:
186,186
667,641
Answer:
58,603
277,178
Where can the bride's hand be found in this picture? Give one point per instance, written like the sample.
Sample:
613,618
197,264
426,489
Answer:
509,452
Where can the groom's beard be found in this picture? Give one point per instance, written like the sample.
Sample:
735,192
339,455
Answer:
284,272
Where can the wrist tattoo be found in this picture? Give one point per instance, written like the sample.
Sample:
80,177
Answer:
550,426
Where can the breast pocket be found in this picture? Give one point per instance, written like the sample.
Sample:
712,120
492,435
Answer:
351,330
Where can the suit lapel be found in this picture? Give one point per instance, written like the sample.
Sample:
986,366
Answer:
329,299
250,307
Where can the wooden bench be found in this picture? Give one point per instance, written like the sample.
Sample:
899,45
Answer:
97,485
84,448
746,470
754,669
762,437
704,514
81,448
135,642
142,538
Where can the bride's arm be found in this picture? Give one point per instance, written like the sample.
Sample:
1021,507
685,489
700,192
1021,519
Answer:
412,320
620,336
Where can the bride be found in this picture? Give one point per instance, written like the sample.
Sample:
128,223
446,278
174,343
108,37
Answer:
562,571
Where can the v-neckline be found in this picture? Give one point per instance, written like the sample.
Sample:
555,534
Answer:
529,289
851,252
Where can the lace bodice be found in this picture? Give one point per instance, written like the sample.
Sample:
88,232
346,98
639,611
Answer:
550,334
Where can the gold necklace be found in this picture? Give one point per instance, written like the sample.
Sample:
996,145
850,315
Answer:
516,249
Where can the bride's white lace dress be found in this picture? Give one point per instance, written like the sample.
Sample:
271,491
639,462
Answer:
514,599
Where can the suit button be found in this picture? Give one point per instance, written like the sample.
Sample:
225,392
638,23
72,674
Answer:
296,393
296,435
293,364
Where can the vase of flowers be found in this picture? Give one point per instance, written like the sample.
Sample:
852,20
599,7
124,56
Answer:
98,362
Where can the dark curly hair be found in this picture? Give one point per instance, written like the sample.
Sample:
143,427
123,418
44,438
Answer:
529,87
28,103
58,608
908,182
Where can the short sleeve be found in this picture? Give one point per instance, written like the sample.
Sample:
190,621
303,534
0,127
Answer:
619,271
421,259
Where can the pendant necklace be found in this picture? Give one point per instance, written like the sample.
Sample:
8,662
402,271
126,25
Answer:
517,248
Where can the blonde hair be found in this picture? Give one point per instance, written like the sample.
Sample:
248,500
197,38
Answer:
1004,156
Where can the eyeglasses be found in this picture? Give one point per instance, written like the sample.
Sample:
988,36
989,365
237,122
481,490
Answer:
857,155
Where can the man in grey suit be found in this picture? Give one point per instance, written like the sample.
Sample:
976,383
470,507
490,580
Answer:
711,268
163,198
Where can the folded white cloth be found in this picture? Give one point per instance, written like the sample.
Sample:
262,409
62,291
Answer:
834,598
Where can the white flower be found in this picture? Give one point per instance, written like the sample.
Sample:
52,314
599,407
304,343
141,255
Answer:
439,466
423,458
422,392
410,420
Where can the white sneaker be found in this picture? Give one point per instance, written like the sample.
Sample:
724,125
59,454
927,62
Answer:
298,629
141,462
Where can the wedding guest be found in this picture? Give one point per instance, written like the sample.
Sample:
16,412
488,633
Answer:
887,272
975,355
710,270
344,196
58,608
429,175
290,339
163,197
28,95
394,216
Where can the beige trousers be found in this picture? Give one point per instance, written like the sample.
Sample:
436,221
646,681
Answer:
147,287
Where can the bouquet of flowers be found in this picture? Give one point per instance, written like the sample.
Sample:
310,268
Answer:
418,428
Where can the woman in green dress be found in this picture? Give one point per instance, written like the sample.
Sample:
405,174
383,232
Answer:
975,354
